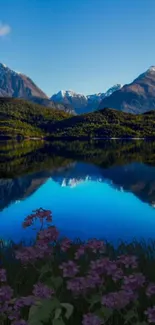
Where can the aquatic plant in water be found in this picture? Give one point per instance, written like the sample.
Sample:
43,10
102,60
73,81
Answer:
73,283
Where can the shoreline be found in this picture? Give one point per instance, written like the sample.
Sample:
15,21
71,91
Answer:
51,139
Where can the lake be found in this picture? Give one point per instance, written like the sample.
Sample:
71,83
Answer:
101,189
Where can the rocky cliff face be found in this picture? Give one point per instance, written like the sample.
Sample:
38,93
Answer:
17,85
137,97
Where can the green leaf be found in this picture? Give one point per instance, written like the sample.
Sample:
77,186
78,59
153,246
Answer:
94,300
41,312
140,323
130,315
54,282
58,322
45,269
69,309
104,313
58,312
34,318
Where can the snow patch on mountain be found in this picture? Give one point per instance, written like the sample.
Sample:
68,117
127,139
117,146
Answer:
4,69
80,102
151,69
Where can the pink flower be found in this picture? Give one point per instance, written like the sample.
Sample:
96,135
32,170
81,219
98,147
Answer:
28,221
42,291
100,266
81,285
80,251
128,261
40,214
24,301
91,319
70,269
34,253
118,300
65,244
6,293
96,245
150,312
150,291
133,281
3,275
77,285
48,235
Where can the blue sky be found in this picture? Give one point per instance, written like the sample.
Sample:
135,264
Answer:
84,45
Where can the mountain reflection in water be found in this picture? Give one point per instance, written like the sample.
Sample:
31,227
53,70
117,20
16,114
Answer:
81,176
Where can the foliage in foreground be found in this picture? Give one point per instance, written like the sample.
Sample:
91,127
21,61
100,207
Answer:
55,281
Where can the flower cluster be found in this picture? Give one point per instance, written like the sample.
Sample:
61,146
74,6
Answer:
81,285
87,273
6,293
33,253
11,307
65,244
47,236
40,214
96,245
91,319
80,252
2,275
70,269
150,312
104,266
128,261
133,281
118,300
150,290
42,291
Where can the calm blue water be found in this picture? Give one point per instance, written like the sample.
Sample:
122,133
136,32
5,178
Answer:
87,201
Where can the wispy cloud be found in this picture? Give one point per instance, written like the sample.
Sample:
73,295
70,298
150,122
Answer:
4,29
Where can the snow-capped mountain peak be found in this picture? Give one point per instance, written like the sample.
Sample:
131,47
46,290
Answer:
80,102
67,93
15,84
4,65
151,69
113,89
4,68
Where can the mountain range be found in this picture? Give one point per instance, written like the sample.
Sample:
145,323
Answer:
81,103
136,97
17,85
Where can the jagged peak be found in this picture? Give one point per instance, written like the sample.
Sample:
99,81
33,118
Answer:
68,93
4,66
151,69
